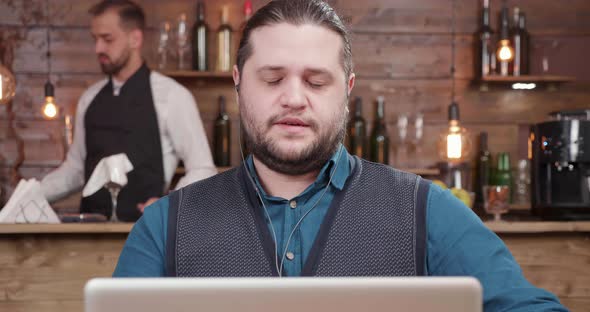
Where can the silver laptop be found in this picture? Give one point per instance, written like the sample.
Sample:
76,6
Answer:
417,294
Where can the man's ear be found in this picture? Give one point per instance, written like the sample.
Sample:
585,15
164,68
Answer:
236,76
350,84
136,39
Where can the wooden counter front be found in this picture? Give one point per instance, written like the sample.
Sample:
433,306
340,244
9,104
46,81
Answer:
43,267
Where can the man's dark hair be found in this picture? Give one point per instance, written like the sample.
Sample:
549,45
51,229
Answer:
296,12
131,15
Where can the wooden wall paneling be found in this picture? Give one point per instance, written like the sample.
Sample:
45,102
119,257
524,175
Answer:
42,140
427,16
19,13
565,55
401,51
395,56
68,88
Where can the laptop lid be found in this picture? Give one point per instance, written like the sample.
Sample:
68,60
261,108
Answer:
418,294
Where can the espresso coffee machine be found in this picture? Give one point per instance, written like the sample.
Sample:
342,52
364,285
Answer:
561,166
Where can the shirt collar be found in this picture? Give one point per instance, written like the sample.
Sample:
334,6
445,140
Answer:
342,172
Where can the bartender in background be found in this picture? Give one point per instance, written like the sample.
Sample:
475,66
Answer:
147,116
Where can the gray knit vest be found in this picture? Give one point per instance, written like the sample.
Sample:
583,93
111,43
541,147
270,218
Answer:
375,226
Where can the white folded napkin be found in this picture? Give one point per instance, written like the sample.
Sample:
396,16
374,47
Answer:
28,205
109,169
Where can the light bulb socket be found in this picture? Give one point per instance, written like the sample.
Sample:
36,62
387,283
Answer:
48,89
504,24
453,111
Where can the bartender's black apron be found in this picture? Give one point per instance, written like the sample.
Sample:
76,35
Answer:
128,124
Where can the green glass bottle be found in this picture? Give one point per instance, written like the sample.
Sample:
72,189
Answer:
221,136
503,176
357,131
379,139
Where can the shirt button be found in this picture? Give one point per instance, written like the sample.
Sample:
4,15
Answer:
293,204
290,255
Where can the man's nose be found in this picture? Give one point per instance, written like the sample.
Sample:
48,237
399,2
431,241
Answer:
98,47
294,95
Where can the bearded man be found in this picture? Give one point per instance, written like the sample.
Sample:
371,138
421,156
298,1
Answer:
143,114
300,205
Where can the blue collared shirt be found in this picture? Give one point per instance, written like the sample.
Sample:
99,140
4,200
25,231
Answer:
313,203
458,243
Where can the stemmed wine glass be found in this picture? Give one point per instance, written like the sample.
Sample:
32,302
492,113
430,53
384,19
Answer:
496,200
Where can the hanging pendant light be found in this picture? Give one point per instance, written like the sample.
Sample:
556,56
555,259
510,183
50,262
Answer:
49,110
7,85
454,144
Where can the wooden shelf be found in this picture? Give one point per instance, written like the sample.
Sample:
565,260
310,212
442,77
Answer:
528,78
537,226
197,74
541,81
62,228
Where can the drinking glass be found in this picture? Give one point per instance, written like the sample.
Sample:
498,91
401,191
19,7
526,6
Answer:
415,140
496,200
114,190
401,145
182,43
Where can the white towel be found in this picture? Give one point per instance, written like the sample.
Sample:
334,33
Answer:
28,205
109,169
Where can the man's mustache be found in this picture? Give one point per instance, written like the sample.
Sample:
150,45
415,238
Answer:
308,121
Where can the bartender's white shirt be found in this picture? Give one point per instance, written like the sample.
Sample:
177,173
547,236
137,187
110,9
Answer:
182,135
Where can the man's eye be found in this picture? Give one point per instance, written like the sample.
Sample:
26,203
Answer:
273,82
315,84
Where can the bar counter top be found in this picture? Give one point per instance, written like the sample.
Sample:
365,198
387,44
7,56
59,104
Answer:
501,227
65,228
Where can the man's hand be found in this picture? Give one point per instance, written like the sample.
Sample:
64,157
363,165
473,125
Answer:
141,206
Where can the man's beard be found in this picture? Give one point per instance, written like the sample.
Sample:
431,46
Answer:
115,66
311,158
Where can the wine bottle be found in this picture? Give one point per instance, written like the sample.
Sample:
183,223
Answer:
200,46
221,136
524,59
379,138
247,13
357,131
503,176
483,167
224,38
485,51
520,39
505,52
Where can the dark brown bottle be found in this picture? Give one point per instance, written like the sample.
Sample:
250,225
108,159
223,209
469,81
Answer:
222,136
505,49
357,131
484,160
520,40
379,139
485,55
199,44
